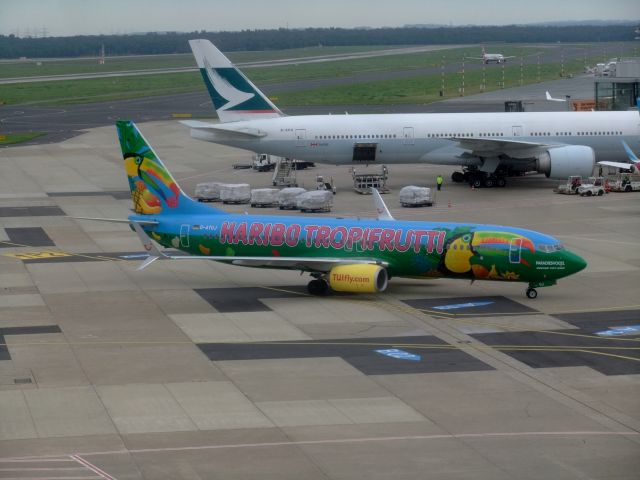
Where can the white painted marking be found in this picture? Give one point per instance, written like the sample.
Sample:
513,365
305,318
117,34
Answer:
92,477
350,440
93,468
39,469
44,458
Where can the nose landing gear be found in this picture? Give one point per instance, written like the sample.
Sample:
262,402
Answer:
531,291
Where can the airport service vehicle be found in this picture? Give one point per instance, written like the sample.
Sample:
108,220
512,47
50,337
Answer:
264,163
571,187
322,184
358,255
595,186
488,146
627,179
625,183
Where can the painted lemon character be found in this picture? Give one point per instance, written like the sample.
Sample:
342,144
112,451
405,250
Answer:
459,253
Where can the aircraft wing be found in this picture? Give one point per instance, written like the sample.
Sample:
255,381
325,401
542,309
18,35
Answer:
635,161
224,130
625,166
495,147
309,264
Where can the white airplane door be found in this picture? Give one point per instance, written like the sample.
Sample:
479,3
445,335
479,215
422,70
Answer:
184,235
301,137
517,130
407,136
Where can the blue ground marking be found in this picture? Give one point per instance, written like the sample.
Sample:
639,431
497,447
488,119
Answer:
616,331
462,305
400,354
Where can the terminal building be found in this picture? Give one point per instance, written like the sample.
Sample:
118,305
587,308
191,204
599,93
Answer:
617,85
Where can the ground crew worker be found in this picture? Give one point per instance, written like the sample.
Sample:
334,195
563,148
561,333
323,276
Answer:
439,181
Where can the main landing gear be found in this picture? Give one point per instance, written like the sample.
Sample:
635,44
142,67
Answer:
478,179
532,293
318,286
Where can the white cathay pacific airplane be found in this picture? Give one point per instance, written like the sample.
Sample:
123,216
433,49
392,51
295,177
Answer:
488,146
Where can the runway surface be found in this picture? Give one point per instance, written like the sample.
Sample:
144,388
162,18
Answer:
201,370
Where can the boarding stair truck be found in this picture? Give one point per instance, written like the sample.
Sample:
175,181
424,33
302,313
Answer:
284,173
594,186
571,187
364,182
625,183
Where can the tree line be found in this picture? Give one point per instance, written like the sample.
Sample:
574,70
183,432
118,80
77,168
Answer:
280,39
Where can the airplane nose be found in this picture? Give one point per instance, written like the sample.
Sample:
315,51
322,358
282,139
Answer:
574,263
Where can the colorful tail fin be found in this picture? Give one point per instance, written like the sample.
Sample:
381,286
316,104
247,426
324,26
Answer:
233,95
153,190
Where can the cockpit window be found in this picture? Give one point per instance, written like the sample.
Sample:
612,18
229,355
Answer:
550,247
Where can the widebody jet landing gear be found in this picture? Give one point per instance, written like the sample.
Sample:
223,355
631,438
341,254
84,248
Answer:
478,179
318,286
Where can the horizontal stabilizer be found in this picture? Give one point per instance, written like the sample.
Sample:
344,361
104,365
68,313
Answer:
117,220
230,131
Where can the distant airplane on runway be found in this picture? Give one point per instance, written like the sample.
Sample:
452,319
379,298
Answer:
491,57
344,255
488,146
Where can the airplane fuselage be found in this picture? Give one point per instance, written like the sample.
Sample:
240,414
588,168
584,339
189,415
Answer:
407,249
493,57
428,138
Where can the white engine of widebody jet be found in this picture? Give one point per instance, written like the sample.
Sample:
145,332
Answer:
562,162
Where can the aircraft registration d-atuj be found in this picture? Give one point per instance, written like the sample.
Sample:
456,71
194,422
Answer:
358,255
488,146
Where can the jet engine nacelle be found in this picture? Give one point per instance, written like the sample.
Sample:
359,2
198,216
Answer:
358,278
562,162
